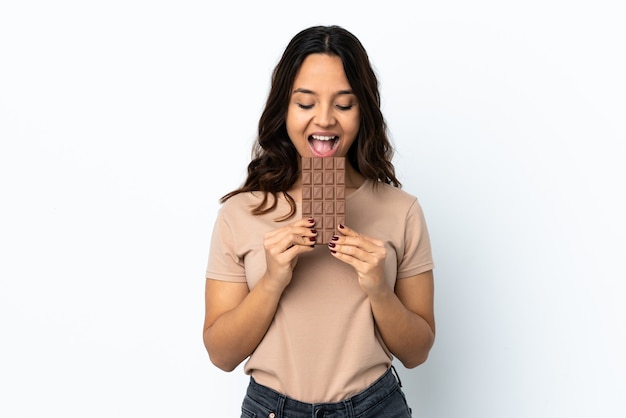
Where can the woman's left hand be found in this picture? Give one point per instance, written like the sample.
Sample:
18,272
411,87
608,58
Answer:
365,254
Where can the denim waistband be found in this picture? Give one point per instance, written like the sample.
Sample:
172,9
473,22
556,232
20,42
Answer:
354,406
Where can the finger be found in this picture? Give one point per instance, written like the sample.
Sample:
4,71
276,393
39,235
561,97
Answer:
361,261
349,252
352,237
364,244
351,259
302,227
292,240
308,222
347,231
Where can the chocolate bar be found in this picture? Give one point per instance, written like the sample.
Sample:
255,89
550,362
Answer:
324,194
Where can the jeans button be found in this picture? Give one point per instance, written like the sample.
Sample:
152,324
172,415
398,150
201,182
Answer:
319,413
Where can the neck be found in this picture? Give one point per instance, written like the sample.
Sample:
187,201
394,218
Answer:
354,179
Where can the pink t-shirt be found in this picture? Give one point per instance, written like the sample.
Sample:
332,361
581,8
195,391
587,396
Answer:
323,344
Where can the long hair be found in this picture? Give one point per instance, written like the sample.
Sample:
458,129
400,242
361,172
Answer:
275,162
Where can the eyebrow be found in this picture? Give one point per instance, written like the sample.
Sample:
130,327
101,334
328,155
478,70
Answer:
307,91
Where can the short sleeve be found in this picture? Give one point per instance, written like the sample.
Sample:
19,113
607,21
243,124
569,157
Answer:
225,263
417,257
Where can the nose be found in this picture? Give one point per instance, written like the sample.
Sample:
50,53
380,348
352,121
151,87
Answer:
325,116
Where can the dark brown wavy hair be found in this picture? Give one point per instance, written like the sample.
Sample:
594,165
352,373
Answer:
275,165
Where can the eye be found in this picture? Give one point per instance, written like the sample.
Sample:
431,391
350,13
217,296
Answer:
348,107
303,106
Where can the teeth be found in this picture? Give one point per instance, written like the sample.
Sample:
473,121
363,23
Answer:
323,138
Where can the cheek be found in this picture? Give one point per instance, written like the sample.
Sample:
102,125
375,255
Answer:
295,128
351,125
297,123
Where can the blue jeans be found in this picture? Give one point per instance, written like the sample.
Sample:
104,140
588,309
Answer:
383,399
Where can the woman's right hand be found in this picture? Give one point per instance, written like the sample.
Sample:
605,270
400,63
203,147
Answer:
236,317
282,247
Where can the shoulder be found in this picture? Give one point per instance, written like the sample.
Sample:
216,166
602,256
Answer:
390,194
240,207
242,202
386,201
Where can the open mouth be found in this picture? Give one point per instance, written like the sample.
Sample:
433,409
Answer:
322,145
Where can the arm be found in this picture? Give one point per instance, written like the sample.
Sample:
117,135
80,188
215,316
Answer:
236,319
405,318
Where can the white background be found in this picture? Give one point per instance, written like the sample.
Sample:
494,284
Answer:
123,122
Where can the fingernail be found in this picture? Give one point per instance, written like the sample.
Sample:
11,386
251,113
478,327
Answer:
331,244
341,226
312,239
333,251
314,231
311,220
335,238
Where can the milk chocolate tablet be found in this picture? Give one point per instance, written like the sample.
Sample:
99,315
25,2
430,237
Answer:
324,194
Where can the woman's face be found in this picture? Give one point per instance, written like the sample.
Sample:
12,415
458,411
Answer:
323,114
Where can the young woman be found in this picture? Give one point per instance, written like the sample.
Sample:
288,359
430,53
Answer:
320,324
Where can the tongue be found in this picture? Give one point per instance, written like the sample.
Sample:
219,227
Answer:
322,147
